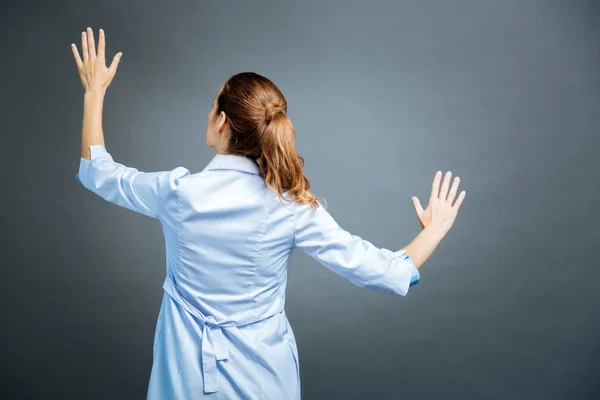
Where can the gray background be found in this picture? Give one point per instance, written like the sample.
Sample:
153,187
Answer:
505,94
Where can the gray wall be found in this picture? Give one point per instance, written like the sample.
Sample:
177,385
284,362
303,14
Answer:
505,94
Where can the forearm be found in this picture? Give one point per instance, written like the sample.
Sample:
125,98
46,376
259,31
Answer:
91,132
423,245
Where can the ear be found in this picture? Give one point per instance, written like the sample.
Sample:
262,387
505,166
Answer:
221,121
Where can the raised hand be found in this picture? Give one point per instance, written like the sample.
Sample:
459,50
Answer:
440,212
94,74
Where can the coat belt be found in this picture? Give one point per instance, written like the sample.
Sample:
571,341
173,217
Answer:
214,344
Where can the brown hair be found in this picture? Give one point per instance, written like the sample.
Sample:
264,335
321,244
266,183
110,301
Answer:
262,131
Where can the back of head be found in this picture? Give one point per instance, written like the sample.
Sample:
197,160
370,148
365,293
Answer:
262,131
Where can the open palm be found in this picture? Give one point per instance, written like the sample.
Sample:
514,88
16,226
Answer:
440,212
92,69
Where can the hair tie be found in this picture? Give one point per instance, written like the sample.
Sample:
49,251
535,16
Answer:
272,111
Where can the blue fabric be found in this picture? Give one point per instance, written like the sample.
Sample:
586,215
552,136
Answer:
222,329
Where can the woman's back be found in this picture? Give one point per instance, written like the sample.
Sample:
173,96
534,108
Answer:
229,239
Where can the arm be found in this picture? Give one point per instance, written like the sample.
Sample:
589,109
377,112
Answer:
422,246
91,132
358,260
142,192
95,78
125,186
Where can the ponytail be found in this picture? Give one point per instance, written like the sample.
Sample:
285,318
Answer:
261,130
279,163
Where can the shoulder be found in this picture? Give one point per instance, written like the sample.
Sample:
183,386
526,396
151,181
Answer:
306,214
170,180
174,176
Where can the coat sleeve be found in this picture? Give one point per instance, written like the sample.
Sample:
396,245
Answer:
365,265
124,186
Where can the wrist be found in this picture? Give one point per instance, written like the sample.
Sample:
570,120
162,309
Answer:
96,92
434,233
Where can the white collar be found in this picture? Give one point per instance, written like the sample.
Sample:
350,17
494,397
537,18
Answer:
233,162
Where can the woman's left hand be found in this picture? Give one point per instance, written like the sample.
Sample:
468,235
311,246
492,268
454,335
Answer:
94,74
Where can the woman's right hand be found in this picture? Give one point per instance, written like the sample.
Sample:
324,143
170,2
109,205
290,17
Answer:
440,213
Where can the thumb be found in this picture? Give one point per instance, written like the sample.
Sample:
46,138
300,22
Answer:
115,63
417,205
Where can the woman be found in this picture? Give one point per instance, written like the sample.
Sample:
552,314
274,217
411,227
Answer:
229,230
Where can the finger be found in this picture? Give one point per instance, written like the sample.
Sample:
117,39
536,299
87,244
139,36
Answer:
84,47
101,45
76,56
417,206
460,199
115,63
453,190
91,43
436,185
445,185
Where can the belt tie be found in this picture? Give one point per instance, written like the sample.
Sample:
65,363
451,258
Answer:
214,344
214,348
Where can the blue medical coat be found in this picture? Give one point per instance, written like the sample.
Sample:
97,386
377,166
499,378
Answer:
222,330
